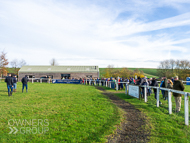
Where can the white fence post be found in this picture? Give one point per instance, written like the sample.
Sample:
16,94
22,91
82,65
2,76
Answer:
95,82
49,80
41,80
86,81
169,102
145,97
186,104
32,80
126,89
89,82
100,84
116,85
157,96
106,83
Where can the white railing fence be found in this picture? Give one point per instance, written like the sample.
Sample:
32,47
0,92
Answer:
39,80
186,99
186,94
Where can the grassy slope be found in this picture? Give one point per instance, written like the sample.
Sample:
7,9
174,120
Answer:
165,128
76,113
148,71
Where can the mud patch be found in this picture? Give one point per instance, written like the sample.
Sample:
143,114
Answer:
132,129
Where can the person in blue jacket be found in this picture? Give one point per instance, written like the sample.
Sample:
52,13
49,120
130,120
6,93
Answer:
162,91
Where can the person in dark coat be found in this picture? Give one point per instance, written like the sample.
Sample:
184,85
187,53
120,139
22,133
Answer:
25,83
145,82
178,85
149,83
155,83
9,81
138,82
165,85
172,79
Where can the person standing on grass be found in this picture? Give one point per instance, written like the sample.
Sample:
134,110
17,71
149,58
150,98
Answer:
9,81
155,83
25,83
170,86
14,83
162,91
149,83
178,85
145,83
164,85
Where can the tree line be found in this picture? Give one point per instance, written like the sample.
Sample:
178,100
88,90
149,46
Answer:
171,68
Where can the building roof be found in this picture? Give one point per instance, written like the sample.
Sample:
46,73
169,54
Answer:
63,69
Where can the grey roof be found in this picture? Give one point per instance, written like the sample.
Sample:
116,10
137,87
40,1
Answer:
66,69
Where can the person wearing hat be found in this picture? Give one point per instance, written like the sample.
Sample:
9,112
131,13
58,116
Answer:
178,85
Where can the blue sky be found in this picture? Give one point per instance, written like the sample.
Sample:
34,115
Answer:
123,33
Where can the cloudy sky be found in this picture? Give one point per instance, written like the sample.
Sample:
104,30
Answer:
123,33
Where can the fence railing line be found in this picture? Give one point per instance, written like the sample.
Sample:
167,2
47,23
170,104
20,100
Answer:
186,95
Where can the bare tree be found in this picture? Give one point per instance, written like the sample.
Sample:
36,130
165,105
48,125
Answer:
110,66
14,63
172,64
22,63
170,68
53,62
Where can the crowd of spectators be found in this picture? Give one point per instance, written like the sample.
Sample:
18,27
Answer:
163,82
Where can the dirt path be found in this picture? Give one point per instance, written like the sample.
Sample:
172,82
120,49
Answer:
132,129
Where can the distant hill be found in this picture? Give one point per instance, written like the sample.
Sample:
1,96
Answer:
149,72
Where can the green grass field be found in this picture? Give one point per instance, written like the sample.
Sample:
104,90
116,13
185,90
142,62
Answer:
75,113
147,71
79,113
165,128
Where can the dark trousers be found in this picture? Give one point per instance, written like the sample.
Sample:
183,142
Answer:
10,87
156,96
24,85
